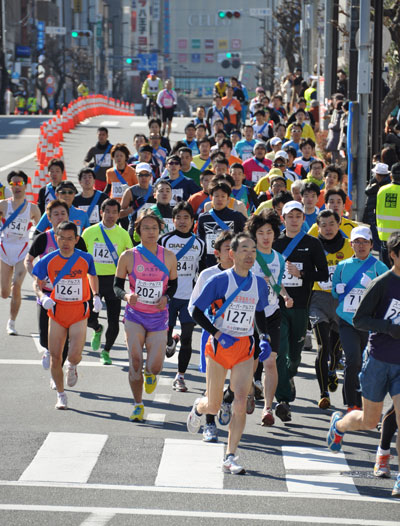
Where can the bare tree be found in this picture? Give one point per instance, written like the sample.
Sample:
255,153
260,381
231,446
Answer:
288,16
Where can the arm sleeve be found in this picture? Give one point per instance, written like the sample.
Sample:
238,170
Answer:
200,318
319,263
261,322
364,316
119,291
88,156
171,288
38,246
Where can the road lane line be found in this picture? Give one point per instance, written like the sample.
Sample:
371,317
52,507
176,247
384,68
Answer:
98,519
109,123
19,121
199,464
155,419
36,341
321,460
162,398
65,457
212,515
18,162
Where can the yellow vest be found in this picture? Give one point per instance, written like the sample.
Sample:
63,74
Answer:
2,191
307,95
346,226
388,210
333,260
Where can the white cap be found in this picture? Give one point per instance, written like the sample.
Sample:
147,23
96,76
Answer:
361,231
275,140
143,167
381,169
292,205
281,154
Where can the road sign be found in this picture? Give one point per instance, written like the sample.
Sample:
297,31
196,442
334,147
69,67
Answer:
147,61
50,80
50,90
56,30
260,11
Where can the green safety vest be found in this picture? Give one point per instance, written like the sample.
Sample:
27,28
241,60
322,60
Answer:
307,96
388,210
32,104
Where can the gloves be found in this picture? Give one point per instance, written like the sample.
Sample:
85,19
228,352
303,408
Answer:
340,288
97,304
47,302
145,96
226,340
365,280
265,347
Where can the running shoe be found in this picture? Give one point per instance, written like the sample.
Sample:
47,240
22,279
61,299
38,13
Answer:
71,375
333,382
179,384
258,390
194,420
353,408
382,467
210,433
150,382
53,384
267,418
11,330
225,414
324,402
170,349
137,413
282,411
46,359
396,489
231,466
62,402
292,390
251,404
96,339
334,437
308,341
105,358
341,363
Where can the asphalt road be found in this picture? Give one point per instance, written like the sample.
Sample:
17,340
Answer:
106,470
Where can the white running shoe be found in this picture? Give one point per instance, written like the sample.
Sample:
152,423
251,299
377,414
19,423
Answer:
210,433
53,384
11,328
62,402
225,414
46,359
230,466
71,375
193,420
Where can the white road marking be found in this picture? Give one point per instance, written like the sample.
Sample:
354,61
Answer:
19,121
155,419
19,136
109,123
317,459
164,380
202,491
162,398
200,514
143,124
119,364
98,519
65,457
36,340
18,162
199,464
85,122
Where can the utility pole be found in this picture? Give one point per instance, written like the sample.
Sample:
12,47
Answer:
3,65
353,59
377,79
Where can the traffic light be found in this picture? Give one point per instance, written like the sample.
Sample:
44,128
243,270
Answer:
128,61
231,60
79,33
228,55
235,60
229,14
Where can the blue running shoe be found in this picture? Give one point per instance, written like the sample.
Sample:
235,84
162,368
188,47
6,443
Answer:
334,437
396,489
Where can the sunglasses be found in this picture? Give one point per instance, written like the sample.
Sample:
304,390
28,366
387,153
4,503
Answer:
17,183
66,192
279,165
173,162
144,174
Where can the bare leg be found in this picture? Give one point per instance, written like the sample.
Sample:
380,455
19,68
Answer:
57,337
366,419
135,337
270,380
18,278
215,380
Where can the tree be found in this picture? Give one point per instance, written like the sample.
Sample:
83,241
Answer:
288,16
391,19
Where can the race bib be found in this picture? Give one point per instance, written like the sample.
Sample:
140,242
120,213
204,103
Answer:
239,318
106,162
272,297
149,292
118,189
186,267
352,300
101,254
210,241
69,290
177,195
94,216
247,155
289,280
17,228
327,285
256,176
393,312
169,225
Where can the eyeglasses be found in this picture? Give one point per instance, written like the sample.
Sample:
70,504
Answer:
144,174
173,162
66,192
16,183
279,165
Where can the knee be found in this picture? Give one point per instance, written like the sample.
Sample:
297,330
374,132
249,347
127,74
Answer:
270,365
55,360
137,364
240,404
155,368
5,292
135,375
370,421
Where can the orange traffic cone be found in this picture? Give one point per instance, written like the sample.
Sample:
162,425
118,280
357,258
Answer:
29,191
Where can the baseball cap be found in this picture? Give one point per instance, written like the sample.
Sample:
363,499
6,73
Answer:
275,172
292,205
143,167
275,140
66,184
221,79
152,72
361,231
146,148
381,169
260,90
281,154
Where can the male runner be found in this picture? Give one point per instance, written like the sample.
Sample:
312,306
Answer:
48,192
73,275
152,274
90,199
17,217
335,199
106,241
231,343
199,199
100,153
257,166
182,187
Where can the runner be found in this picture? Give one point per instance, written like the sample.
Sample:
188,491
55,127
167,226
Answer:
187,168
106,241
203,161
245,146
335,200
48,192
190,254
231,342
199,199
89,200
305,264
217,112
190,141
99,156
270,265
121,176
72,275
310,193
258,166
182,187
17,217
162,208
152,274
379,313
352,276
167,100
240,191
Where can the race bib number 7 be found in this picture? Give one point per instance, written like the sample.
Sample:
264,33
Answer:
352,300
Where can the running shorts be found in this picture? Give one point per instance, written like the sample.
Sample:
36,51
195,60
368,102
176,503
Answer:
66,315
240,351
13,253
